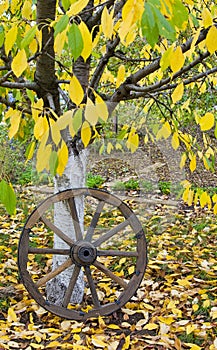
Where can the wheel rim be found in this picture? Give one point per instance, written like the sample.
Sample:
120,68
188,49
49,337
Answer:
96,250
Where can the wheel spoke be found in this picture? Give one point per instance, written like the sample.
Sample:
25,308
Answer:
57,231
110,274
110,233
92,287
71,285
42,281
75,219
116,253
94,221
44,251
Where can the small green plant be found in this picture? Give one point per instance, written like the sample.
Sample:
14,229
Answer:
131,184
94,181
164,187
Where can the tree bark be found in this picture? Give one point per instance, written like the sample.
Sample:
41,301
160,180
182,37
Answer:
74,174
73,177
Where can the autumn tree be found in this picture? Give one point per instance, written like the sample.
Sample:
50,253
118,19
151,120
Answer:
67,65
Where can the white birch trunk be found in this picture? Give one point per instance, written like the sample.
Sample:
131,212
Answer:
73,177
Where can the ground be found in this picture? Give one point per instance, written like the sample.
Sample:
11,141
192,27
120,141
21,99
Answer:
175,306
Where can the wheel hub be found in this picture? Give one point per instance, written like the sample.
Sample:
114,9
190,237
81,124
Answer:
83,253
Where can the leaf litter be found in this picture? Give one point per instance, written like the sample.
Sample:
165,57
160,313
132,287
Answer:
174,308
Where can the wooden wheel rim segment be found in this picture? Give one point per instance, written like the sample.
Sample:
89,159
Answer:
83,253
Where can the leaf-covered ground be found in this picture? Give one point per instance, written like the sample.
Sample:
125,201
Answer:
174,308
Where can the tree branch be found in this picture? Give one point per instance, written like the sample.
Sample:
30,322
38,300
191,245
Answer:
20,86
110,48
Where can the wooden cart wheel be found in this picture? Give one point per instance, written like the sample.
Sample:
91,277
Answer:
113,259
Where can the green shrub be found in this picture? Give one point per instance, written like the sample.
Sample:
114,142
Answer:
94,181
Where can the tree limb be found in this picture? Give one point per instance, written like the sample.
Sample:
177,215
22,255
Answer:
110,48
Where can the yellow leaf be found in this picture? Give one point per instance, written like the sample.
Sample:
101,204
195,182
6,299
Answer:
195,307
131,270
86,133
60,41
132,141
207,18
211,40
90,112
207,122
183,161
165,59
37,108
43,156
41,126
27,10
12,317
175,140
65,120
120,75
62,158
4,6
193,163
76,91
55,132
205,200
127,343
113,326
53,344
206,303
164,132
77,7
96,341
109,147
178,93
151,326
101,107
177,60
184,282
87,40
19,63
10,39
190,328
15,122
31,151
107,23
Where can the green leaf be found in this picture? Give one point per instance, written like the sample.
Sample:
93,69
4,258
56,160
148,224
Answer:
8,197
66,4
164,27
61,25
53,163
180,14
28,37
150,32
77,120
75,41
2,35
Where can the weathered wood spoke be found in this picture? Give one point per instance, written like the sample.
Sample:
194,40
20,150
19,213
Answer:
57,231
52,251
110,274
75,219
92,287
72,282
94,221
111,252
110,233
42,281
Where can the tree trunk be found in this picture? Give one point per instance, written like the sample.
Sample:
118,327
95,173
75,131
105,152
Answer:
74,174
73,177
